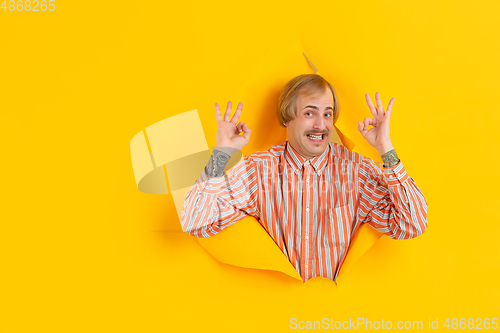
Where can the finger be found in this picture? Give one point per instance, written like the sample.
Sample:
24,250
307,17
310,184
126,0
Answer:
237,113
218,116
246,132
360,126
228,111
372,108
380,107
239,127
361,129
389,109
367,122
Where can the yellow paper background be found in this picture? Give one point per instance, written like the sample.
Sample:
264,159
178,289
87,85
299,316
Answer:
84,250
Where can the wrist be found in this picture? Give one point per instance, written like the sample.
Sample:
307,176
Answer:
385,149
228,150
390,158
217,163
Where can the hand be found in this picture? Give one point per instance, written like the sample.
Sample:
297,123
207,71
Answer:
228,131
378,136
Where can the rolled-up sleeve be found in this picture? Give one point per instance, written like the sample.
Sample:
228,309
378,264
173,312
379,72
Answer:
390,201
214,203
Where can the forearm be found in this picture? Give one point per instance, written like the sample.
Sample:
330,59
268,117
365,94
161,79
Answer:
214,203
218,161
390,158
199,207
408,203
408,209
392,202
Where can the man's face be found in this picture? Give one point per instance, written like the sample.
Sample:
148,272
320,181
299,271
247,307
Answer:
314,116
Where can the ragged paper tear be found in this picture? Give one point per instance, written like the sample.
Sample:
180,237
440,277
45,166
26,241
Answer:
160,162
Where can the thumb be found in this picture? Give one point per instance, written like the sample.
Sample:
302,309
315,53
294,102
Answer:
360,128
246,132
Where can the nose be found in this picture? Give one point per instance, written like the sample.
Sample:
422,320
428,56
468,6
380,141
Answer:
319,124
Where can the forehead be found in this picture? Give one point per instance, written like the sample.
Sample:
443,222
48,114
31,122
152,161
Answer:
324,97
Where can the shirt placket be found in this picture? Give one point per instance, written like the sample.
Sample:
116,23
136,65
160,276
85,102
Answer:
307,218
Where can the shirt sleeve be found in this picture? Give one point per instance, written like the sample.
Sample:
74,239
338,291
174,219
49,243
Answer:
214,203
390,201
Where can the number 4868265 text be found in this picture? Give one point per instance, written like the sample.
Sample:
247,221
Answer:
28,6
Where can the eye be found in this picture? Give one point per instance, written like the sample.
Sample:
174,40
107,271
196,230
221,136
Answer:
328,114
308,113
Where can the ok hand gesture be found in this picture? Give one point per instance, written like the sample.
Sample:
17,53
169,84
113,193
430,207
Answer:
228,131
378,136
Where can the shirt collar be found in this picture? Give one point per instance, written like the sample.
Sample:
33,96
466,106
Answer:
297,161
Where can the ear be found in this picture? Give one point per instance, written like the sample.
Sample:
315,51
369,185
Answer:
285,124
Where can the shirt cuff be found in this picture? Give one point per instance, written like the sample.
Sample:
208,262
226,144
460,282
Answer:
396,174
210,185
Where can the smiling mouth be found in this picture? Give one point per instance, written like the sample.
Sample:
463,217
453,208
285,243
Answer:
316,137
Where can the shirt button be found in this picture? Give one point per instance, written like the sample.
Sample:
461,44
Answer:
307,209
307,237
391,176
307,181
306,265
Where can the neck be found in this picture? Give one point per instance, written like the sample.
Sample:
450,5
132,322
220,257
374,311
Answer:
296,151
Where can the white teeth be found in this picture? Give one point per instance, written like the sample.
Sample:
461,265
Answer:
315,137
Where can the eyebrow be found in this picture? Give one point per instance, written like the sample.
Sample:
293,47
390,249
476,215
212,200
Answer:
315,107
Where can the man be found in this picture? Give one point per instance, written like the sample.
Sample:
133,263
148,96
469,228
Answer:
310,194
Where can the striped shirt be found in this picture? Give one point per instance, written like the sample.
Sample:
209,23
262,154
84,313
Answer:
311,208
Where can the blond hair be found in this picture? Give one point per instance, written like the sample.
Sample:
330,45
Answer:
306,84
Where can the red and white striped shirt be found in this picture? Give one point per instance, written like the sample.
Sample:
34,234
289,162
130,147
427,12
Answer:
312,208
